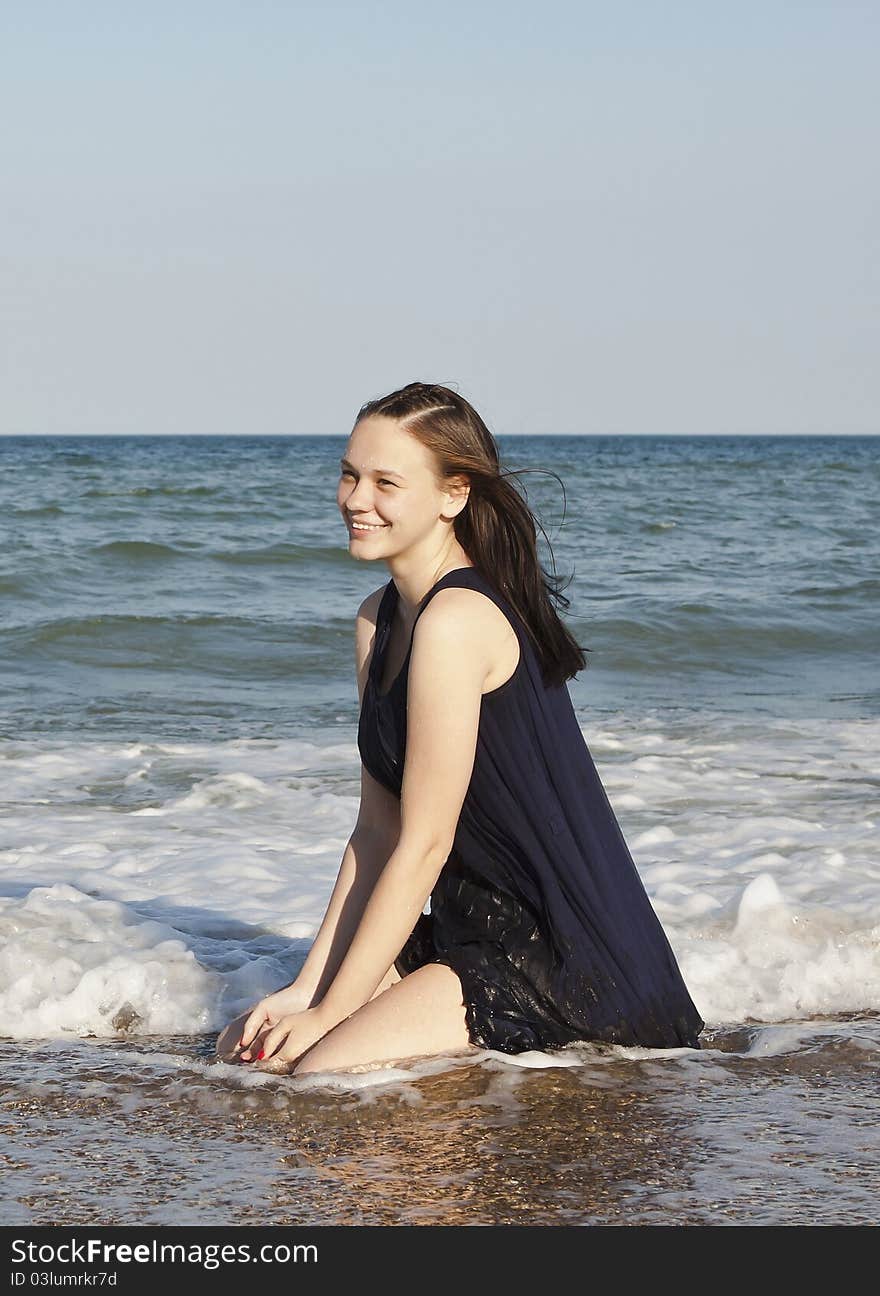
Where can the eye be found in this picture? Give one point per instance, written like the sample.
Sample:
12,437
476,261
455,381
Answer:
383,481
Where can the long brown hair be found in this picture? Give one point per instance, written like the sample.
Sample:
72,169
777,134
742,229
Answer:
496,529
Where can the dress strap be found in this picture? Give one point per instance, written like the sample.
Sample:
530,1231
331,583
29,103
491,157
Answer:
468,578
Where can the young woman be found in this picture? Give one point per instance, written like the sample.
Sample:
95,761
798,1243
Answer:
477,790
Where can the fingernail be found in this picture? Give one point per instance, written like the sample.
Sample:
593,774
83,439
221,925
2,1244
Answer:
260,1056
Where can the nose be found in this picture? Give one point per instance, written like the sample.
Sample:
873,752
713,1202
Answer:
354,497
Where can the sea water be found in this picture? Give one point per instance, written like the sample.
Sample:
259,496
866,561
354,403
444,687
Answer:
180,775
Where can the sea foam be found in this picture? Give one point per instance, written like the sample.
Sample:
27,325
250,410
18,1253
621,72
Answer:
155,888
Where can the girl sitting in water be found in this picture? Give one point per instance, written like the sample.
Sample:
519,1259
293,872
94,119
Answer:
477,790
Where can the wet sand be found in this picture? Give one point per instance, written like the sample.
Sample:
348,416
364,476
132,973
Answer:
752,1129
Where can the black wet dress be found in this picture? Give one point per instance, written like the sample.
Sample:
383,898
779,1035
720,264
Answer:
539,908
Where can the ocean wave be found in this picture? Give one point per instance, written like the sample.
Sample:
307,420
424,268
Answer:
285,552
38,511
146,492
867,589
782,958
705,635
139,550
102,625
280,553
75,963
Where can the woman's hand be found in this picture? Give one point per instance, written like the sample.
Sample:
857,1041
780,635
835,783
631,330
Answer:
283,1046
233,1042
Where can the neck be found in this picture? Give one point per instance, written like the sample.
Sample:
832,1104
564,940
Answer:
415,582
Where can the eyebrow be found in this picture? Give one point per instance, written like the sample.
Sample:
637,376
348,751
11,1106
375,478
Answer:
383,472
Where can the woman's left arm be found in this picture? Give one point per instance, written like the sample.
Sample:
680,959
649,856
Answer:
448,667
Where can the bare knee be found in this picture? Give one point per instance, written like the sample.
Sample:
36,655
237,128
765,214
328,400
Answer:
420,1015
327,1057
326,1047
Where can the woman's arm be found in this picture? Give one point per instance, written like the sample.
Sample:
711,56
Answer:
448,667
366,854
373,839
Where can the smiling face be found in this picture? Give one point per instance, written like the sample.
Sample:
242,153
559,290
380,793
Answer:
388,486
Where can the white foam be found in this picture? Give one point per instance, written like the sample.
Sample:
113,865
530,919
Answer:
170,885
73,963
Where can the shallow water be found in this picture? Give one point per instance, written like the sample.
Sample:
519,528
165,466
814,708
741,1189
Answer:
770,1125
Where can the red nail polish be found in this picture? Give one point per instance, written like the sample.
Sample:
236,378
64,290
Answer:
260,1056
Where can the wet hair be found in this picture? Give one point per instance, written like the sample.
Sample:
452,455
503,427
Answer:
496,528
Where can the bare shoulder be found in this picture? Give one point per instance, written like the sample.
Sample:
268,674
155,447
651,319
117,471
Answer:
471,625
468,609
365,634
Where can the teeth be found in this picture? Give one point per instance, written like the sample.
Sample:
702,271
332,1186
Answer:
361,526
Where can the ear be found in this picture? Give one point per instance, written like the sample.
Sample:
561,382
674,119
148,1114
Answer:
457,493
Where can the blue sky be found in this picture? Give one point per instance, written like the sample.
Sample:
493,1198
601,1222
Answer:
251,218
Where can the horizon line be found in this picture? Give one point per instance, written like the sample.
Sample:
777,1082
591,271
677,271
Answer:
326,436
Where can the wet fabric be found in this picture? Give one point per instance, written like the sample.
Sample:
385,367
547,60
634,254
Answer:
539,907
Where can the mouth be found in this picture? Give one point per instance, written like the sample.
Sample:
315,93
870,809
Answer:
365,529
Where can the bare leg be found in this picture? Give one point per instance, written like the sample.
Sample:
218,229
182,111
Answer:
420,1015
